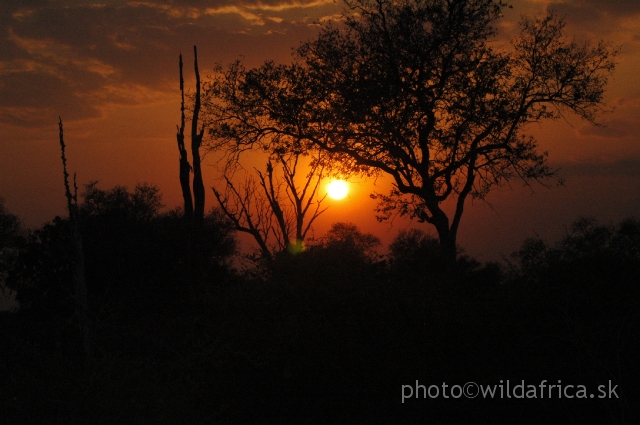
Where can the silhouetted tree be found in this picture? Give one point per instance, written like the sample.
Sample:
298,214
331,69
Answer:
586,285
185,166
135,251
347,237
278,207
12,242
345,257
135,262
77,255
11,238
414,253
193,205
589,252
413,89
43,277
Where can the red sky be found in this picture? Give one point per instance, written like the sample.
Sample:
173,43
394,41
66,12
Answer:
109,69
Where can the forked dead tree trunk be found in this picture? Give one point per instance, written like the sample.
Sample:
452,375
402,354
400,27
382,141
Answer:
193,201
196,142
193,205
185,167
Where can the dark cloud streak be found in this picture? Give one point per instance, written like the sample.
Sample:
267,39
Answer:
66,57
594,14
624,167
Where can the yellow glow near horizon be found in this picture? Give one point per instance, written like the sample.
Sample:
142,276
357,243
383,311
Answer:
337,189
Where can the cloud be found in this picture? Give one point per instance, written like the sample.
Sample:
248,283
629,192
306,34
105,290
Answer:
74,58
615,129
595,13
616,7
32,99
253,18
53,55
622,168
277,6
254,12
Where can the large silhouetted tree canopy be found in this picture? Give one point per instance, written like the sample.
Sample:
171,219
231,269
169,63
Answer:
417,90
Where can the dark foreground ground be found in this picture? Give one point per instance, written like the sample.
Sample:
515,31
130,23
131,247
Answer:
309,348
334,334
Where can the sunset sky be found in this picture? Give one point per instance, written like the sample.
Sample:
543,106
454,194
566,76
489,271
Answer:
110,69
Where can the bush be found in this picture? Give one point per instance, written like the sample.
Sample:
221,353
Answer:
136,256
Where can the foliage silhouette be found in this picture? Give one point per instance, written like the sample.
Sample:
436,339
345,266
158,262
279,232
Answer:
587,284
343,257
415,90
346,237
12,239
589,252
134,260
413,250
328,335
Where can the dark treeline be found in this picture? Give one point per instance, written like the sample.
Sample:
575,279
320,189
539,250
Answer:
328,335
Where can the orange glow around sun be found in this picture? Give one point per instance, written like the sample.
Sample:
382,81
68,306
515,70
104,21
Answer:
337,189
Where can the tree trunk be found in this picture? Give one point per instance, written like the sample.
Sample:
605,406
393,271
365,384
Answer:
196,141
193,201
448,248
447,237
82,307
185,167
80,286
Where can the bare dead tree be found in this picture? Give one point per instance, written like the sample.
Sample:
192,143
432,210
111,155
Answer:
80,287
275,209
193,201
300,199
193,205
196,142
185,167
249,213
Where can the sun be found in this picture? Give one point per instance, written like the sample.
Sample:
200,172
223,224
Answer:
337,189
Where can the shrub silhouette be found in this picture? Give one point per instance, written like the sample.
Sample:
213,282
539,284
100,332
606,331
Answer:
12,242
590,252
414,253
344,255
133,254
328,335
